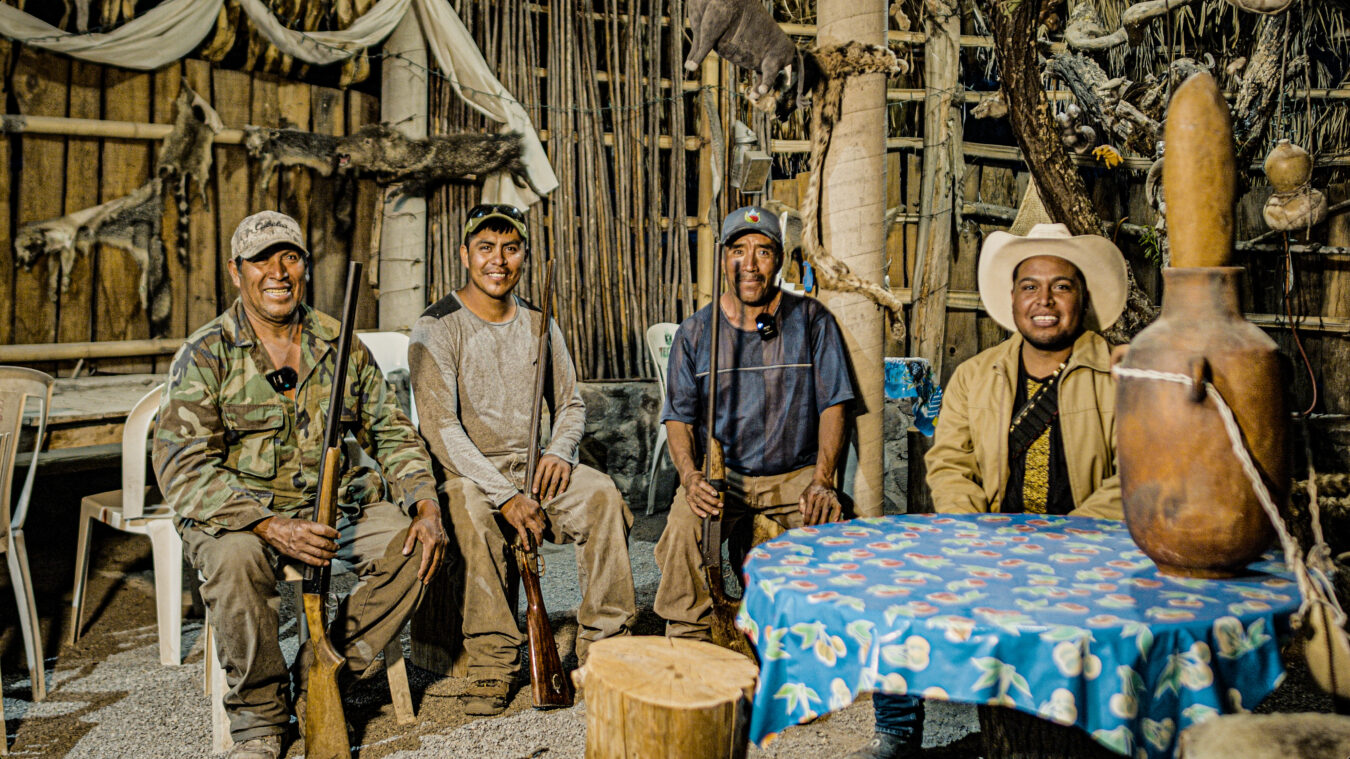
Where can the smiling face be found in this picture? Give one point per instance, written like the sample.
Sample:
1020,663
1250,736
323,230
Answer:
1049,300
272,286
751,264
494,260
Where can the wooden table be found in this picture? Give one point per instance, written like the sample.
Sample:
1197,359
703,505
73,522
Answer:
1061,618
84,425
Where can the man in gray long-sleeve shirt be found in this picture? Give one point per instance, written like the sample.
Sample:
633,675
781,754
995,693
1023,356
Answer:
472,359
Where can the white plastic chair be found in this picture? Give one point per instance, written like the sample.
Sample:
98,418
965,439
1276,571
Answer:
390,351
139,509
18,385
659,338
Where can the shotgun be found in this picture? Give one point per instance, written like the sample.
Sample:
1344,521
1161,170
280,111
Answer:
548,687
325,725
723,624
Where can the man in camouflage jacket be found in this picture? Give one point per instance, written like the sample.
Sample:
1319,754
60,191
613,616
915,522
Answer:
237,450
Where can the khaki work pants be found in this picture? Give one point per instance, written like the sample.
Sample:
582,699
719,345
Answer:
682,598
591,514
240,588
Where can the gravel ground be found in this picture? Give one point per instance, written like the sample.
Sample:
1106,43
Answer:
110,698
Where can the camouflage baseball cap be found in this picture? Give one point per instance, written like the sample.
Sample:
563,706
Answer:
260,233
752,219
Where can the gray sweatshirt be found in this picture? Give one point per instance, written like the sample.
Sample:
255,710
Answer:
474,385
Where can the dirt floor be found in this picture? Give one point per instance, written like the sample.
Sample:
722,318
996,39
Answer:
110,697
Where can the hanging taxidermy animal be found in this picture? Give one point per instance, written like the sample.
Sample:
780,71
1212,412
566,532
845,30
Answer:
1295,204
420,165
743,32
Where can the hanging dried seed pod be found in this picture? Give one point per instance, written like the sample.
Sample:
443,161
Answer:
1295,204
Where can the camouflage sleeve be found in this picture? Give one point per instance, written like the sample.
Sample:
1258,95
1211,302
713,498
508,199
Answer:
189,450
389,436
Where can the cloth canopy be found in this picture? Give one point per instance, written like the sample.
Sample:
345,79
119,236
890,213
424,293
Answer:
174,28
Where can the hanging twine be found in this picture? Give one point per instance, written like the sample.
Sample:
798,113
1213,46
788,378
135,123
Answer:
838,63
1314,584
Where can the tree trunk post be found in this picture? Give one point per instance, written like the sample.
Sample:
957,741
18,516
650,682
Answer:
942,151
853,204
403,230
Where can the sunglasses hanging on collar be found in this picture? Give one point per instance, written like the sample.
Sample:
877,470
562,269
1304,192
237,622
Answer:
283,379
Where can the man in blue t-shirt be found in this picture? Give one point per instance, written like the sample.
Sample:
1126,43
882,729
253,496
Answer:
784,394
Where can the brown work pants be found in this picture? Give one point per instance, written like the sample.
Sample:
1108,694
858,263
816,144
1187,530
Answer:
240,574
682,597
591,514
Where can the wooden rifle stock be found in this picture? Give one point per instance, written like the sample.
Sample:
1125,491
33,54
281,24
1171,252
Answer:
549,689
325,724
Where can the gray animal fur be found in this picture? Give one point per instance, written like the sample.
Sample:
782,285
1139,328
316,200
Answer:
743,32
419,165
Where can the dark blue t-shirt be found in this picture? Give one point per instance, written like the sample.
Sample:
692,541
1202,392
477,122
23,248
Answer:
770,392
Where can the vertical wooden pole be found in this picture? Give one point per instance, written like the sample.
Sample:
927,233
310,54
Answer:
707,227
204,262
942,129
39,82
230,97
328,250
168,84
364,109
853,200
6,207
75,316
403,231
118,311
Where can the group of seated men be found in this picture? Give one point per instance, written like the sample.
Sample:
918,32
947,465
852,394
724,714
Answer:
238,443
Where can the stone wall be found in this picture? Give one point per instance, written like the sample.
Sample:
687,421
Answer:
621,419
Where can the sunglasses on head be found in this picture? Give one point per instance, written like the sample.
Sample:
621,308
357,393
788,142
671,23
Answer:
504,209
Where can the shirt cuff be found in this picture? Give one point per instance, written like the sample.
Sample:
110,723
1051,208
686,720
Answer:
238,519
571,458
423,489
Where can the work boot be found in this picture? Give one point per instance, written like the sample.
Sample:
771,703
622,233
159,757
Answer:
487,698
266,747
886,746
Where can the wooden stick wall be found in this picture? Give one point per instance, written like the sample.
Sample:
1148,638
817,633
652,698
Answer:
611,105
51,175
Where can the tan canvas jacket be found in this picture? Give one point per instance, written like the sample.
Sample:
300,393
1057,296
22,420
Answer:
968,463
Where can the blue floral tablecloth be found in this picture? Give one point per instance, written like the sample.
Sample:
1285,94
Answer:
1062,617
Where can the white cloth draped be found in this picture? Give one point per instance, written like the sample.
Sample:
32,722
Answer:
462,63
174,28
161,36
323,48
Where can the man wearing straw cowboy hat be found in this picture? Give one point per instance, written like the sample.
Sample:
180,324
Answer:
1029,424
472,360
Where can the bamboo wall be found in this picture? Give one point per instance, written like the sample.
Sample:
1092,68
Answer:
52,175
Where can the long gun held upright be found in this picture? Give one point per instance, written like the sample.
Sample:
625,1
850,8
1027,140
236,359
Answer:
325,724
549,688
723,623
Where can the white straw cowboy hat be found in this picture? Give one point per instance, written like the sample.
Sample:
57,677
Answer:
1099,260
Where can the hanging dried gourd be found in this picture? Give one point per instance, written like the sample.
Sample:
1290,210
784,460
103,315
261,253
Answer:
1295,204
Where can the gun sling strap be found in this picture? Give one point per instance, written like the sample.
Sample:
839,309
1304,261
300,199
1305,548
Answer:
1035,415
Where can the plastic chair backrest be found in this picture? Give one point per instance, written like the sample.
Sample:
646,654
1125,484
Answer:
390,351
659,338
17,386
134,437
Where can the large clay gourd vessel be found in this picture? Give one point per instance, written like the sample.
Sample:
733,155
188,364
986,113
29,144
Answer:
1187,503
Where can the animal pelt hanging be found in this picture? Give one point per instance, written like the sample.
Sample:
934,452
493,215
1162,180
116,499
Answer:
131,222
289,147
837,64
421,165
743,32
185,156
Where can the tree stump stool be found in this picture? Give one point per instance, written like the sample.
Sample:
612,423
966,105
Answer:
1268,736
650,697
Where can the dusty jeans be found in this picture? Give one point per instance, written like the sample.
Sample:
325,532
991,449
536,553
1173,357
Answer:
240,588
592,514
682,598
